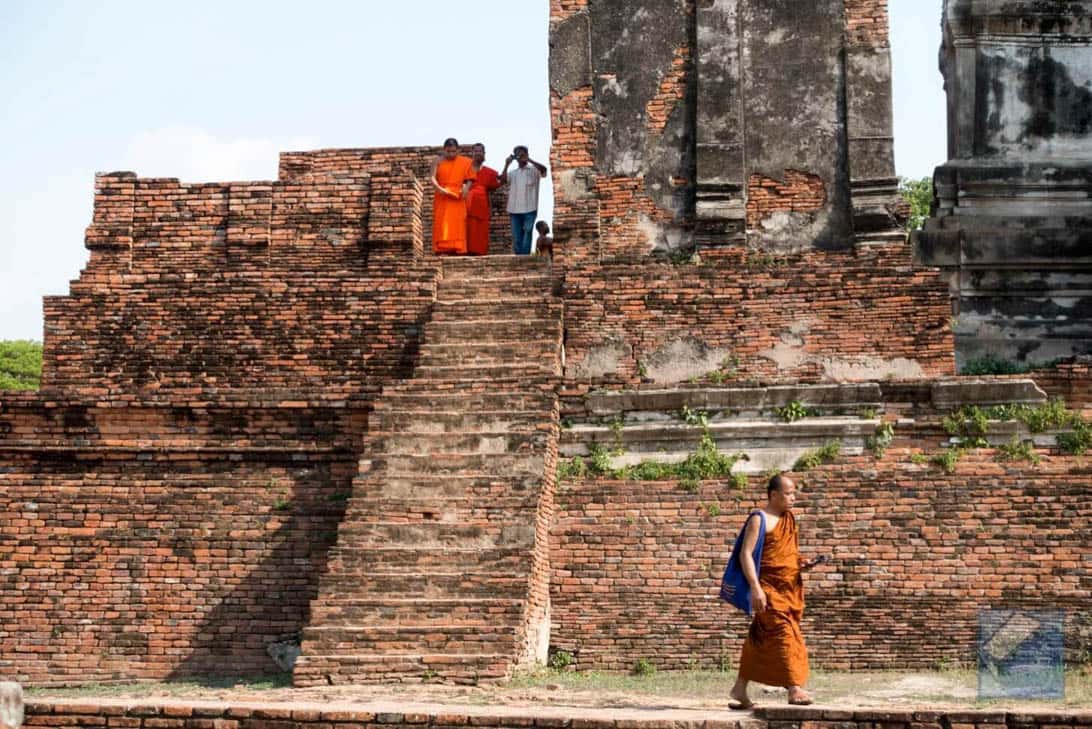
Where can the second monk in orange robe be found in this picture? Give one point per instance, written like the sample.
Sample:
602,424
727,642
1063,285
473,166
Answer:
451,174
774,652
486,180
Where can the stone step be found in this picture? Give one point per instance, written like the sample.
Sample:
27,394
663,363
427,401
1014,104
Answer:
446,486
479,535
447,511
738,434
512,328
480,442
402,611
343,669
477,353
427,584
510,309
746,401
459,463
437,422
542,285
407,638
546,366
416,559
493,266
513,394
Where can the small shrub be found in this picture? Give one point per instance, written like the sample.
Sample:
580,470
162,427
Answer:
739,481
796,410
869,413
713,510
642,369
948,459
560,660
813,459
919,459
1018,450
718,377
1077,442
339,496
572,469
643,667
689,485
991,365
282,504
600,460
879,441
694,417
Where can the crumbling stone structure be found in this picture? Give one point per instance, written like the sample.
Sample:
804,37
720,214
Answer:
1012,225
276,433
689,123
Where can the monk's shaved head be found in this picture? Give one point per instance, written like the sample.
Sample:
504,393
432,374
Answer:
778,483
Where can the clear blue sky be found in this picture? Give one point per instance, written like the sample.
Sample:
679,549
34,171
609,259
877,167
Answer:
214,90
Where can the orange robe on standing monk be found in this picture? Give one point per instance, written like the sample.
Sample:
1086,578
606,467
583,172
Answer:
477,211
774,652
449,213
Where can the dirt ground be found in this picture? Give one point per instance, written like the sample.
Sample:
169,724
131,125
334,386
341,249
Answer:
547,688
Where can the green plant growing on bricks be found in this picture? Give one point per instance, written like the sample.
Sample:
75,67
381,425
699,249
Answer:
560,660
796,410
949,458
818,457
1018,450
879,441
643,667
705,463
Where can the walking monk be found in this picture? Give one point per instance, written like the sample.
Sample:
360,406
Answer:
451,176
486,180
774,652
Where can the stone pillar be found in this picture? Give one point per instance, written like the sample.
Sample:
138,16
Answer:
720,205
1012,219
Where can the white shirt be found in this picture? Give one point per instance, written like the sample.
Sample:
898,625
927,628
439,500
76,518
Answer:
523,189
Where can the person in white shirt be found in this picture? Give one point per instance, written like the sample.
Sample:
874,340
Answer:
522,197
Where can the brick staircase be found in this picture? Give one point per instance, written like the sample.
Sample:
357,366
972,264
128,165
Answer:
440,568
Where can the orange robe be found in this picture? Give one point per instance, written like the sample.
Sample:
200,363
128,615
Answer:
774,652
477,211
449,213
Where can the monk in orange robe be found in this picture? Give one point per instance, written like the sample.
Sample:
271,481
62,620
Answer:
774,652
452,175
486,180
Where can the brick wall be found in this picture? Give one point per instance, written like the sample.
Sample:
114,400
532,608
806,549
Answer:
821,310
799,192
867,23
636,566
160,542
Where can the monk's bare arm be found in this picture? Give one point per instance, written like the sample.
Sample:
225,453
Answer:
435,182
747,561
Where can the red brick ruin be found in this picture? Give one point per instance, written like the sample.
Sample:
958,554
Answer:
276,433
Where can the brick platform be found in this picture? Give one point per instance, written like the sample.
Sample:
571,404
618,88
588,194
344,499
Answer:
208,715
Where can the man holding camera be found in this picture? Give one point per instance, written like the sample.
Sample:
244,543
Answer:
522,197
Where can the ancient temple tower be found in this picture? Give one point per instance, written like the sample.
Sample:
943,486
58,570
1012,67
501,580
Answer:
722,122
1012,223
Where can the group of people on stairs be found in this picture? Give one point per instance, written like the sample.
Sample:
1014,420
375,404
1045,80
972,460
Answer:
461,205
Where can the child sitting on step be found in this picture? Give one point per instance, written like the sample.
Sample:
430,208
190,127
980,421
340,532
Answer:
544,245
